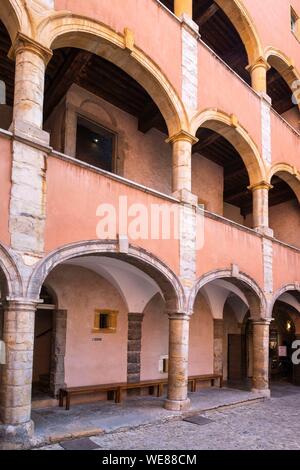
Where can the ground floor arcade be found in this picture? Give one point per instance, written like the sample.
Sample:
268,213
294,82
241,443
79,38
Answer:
103,318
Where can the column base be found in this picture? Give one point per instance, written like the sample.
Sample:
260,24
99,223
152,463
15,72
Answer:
16,436
264,393
177,405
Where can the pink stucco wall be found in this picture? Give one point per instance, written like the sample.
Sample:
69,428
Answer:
286,266
285,221
73,196
156,31
5,187
208,183
225,244
285,142
89,362
217,84
272,19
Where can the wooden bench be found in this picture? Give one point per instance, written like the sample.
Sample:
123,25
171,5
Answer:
193,379
69,392
118,388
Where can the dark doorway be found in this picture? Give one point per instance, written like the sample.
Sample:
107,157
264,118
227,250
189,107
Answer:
236,357
42,351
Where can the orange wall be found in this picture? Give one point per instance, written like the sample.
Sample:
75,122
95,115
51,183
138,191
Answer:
225,244
208,183
218,85
156,31
5,187
285,221
272,19
286,266
73,196
285,143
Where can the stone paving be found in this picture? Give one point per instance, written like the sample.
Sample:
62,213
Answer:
55,424
269,424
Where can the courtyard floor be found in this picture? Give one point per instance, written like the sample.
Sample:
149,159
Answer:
264,424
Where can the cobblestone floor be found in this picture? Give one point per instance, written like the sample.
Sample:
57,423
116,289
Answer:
271,424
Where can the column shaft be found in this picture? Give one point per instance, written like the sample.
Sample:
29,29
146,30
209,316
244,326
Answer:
178,362
16,380
261,357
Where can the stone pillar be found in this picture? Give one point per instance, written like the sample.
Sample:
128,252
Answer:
260,193
16,377
178,362
134,347
57,374
258,72
31,60
183,7
218,347
260,381
182,162
27,204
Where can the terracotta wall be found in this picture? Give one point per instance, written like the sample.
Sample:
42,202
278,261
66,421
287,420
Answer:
286,266
216,86
225,244
208,183
285,143
87,362
73,197
272,19
285,221
5,187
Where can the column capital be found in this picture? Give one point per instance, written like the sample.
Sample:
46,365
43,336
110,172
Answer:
260,185
178,315
18,303
261,62
25,43
182,136
262,321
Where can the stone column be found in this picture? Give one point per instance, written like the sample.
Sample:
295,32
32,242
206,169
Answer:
260,381
178,362
31,60
218,347
182,162
27,203
260,193
16,376
57,374
183,7
258,72
134,347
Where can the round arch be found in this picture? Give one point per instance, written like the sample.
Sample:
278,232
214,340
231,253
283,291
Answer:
229,128
15,17
254,295
287,173
167,281
284,66
65,30
243,23
282,290
10,277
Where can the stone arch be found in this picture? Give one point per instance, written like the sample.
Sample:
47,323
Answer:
229,128
167,281
15,17
243,23
66,30
287,173
282,290
253,293
10,277
284,66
